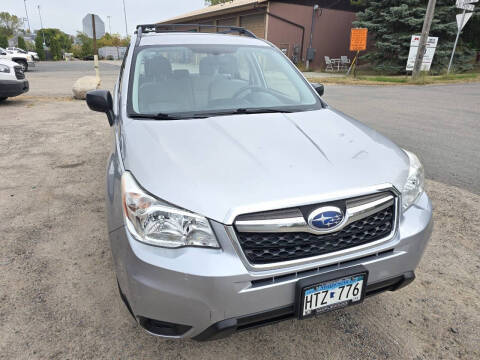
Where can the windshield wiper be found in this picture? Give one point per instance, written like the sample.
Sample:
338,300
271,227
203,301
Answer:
242,111
259,110
165,116
158,116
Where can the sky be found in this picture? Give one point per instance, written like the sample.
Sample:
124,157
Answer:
67,15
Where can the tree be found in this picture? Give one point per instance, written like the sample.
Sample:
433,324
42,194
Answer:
55,48
39,47
215,2
21,43
3,41
112,40
86,45
391,23
9,24
64,40
471,31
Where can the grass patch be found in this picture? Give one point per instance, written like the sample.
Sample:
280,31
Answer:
389,79
399,79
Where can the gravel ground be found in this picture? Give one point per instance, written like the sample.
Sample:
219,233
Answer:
58,296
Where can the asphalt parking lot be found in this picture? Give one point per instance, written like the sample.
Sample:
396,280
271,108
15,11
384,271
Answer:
58,296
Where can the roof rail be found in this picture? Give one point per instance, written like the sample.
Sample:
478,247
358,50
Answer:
161,28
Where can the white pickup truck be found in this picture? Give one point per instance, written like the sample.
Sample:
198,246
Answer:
18,50
12,79
24,60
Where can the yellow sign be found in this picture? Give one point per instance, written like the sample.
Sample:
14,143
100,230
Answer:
358,39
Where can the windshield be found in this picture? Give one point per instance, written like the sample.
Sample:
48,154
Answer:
215,79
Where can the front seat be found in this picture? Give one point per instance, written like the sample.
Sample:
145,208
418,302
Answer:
227,82
166,90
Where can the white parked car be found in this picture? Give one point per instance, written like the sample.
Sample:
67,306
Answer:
19,50
24,60
12,79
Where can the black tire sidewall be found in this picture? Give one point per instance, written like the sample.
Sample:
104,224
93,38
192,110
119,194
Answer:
24,64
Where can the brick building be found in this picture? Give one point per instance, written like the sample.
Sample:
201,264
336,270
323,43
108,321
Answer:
286,23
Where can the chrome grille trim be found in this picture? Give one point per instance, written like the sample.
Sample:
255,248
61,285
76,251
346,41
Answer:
298,224
330,258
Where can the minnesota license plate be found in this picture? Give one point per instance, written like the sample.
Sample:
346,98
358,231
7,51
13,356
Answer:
322,296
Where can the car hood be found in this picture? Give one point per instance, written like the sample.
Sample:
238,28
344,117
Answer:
220,167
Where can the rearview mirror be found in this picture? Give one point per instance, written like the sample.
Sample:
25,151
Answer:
318,88
101,100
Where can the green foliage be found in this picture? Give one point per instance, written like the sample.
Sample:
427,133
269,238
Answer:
55,48
64,40
471,32
39,47
215,2
112,40
9,24
21,43
391,23
3,41
85,48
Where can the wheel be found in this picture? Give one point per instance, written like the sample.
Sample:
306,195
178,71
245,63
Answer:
2,99
23,64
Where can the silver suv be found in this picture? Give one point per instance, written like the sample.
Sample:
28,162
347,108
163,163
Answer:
237,197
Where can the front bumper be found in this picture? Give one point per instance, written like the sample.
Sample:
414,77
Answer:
195,289
11,88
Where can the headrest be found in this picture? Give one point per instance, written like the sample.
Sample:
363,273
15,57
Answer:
158,67
228,65
207,65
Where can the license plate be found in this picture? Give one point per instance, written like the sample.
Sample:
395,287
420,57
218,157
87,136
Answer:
318,295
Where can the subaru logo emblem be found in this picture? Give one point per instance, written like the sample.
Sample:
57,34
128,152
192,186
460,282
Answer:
326,218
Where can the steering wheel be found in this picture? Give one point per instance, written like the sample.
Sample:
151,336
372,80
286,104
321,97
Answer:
254,89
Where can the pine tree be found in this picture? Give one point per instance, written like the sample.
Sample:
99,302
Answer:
391,23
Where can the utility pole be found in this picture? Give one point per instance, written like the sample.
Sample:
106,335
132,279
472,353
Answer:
427,22
125,15
41,25
109,24
26,13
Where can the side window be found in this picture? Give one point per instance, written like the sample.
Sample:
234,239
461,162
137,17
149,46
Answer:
276,79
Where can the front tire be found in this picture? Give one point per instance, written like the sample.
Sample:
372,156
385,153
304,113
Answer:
23,64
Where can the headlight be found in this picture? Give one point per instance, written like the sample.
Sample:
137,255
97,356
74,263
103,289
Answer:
157,223
415,181
4,69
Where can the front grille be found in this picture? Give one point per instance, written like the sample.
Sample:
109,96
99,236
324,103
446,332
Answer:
19,73
267,248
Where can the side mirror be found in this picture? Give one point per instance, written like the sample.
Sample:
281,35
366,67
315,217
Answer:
318,88
101,100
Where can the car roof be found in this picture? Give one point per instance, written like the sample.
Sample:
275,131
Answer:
192,38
